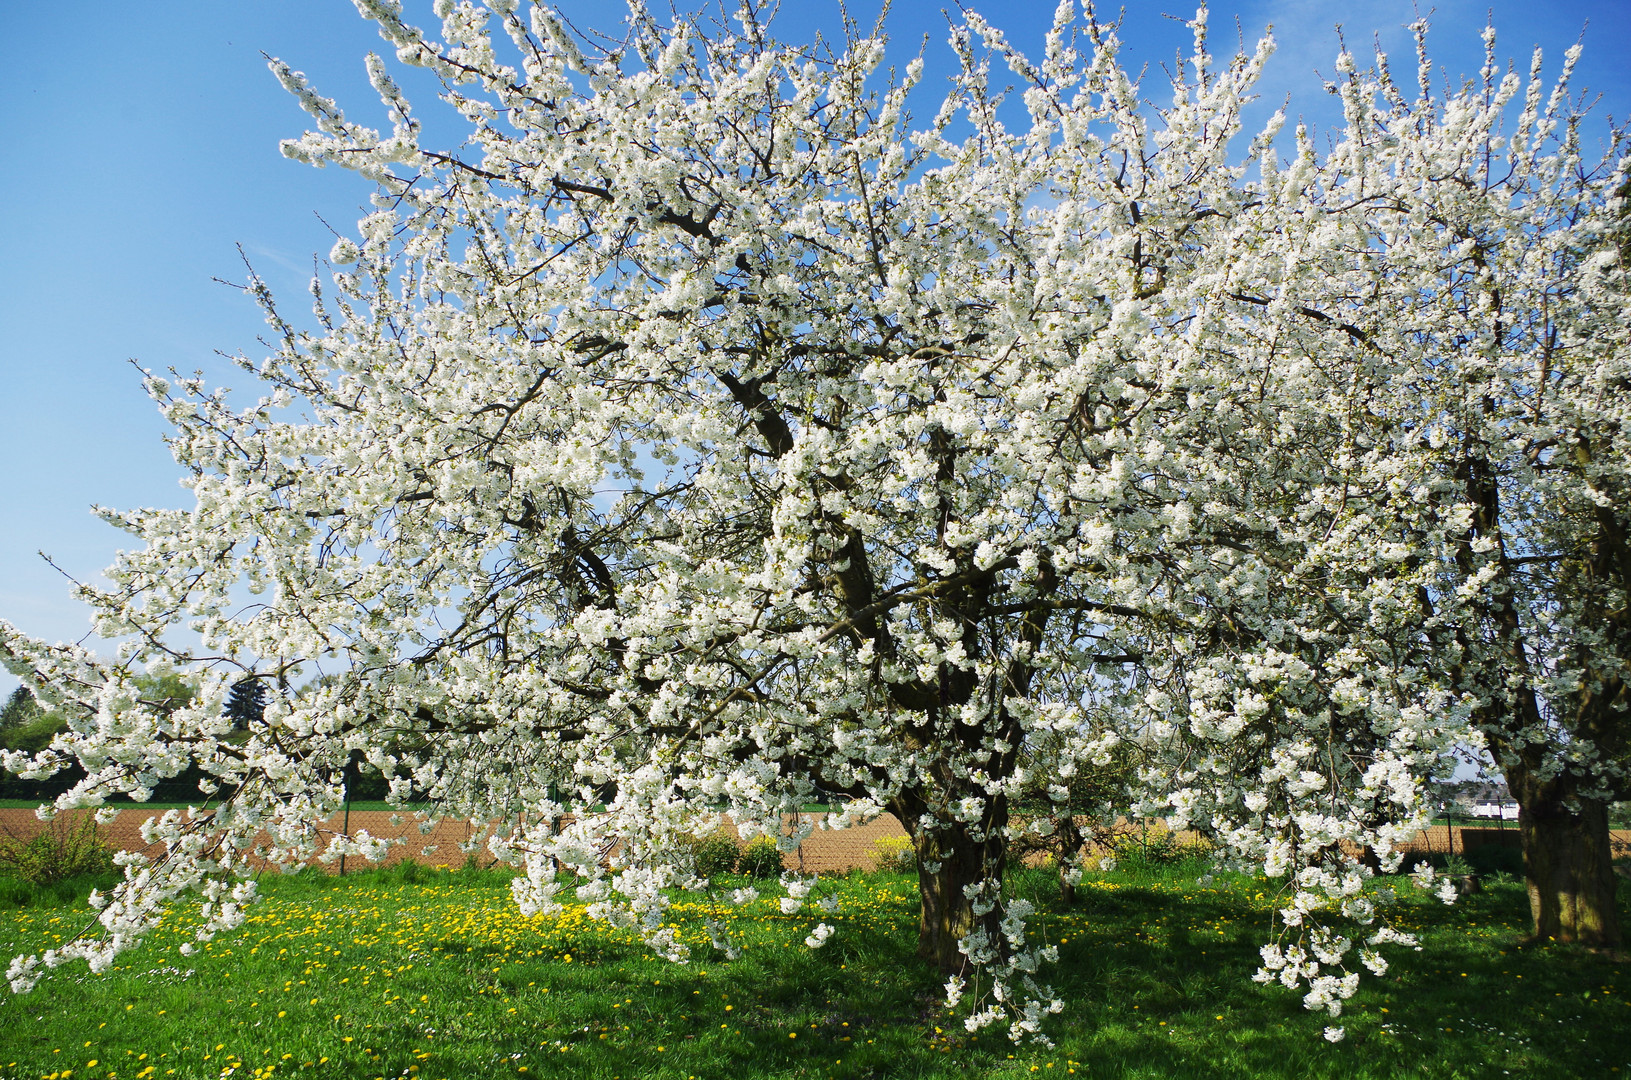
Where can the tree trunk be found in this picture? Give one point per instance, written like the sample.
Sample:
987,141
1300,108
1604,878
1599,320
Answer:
1568,864
1071,843
949,859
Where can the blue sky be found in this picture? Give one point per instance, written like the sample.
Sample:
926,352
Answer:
143,146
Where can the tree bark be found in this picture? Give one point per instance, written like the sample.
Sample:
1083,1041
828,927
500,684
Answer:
1071,843
1568,865
949,859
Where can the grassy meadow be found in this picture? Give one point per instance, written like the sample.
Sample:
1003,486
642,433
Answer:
433,974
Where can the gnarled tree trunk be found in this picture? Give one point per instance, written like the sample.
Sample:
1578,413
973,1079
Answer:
1568,863
1071,842
950,859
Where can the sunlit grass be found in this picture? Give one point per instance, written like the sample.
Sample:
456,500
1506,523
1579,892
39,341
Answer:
423,974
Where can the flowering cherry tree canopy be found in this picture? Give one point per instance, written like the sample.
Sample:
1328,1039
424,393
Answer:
704,435
1522,392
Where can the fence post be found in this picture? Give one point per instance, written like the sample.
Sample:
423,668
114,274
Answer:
349,777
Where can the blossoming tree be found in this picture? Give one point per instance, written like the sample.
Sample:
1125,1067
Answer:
1524,394
700,435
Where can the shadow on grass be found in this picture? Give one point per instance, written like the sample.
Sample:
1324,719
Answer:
1157,984
434,971
69,892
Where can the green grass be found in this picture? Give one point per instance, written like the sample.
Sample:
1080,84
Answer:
434,974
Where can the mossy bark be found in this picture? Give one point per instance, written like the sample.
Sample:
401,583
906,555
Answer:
1569,870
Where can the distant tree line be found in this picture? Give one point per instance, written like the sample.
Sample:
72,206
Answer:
26,724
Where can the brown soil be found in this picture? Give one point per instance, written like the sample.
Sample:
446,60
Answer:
825,849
